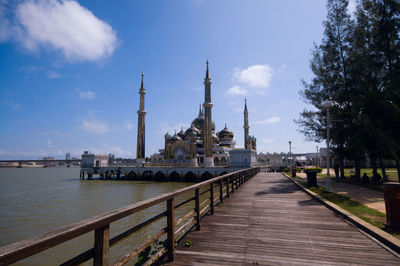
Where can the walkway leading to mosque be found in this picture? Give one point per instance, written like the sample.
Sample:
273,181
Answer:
270,221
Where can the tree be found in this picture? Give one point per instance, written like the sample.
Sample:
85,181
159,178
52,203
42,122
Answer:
331,67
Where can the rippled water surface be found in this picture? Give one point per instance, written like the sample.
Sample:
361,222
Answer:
37,200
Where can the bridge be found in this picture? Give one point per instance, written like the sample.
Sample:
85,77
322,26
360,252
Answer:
40,161
241,218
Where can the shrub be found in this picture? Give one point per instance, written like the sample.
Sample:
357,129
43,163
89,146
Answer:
314,169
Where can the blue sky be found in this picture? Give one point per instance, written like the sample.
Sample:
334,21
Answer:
70,71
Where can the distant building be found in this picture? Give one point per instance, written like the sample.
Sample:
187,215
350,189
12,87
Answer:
242,158
68,156
91,160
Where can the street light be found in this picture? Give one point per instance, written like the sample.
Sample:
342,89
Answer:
290,153
316,159
327,105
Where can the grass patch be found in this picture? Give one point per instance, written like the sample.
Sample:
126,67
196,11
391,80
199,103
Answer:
369,215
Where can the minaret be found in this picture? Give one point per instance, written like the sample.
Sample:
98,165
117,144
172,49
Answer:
140,147
208,154
246,127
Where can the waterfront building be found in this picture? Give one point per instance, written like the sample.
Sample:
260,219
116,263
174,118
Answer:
90,160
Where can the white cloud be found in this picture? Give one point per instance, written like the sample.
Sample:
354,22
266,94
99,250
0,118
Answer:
257,76
271,120
116,150
86,94
237,90
49,142
166,127
94,126
63,25
51,74
129,125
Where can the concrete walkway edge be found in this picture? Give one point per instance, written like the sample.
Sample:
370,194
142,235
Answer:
385,238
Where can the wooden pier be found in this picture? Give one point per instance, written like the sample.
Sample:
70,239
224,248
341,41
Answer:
270,221
241,218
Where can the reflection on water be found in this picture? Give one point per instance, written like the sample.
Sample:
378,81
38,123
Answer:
36,200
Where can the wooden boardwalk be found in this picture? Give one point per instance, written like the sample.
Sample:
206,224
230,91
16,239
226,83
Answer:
270,221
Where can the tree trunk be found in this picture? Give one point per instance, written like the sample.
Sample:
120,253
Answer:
384,176
374,167
342,168
398,170
358,170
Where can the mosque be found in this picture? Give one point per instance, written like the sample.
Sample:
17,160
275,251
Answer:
200,144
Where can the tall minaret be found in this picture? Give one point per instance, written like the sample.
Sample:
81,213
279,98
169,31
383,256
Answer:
208,159
140,147
246,127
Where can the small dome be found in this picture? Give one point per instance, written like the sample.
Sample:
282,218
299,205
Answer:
175,137
167,136
225,133
181,133
192,132
215,139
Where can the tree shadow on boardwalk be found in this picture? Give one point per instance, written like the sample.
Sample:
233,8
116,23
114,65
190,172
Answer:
280,189
308,202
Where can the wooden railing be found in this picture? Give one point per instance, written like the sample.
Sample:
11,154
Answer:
218,188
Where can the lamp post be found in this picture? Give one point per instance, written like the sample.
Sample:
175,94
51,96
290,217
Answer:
316,159
290,152
327,105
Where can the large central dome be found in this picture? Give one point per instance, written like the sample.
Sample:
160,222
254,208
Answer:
199,123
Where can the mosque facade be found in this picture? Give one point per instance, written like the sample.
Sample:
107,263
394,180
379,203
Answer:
201,144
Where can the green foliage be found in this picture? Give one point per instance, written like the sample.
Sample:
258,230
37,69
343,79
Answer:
369,215
188,243
314,170
149,251
143,256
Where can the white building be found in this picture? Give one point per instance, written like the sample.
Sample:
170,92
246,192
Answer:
92,160
242,158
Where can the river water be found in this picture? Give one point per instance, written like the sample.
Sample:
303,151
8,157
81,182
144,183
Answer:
37,200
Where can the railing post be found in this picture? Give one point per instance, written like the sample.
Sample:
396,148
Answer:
170,230
212,198
227,187
221,191
233,182
101,245
197,208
